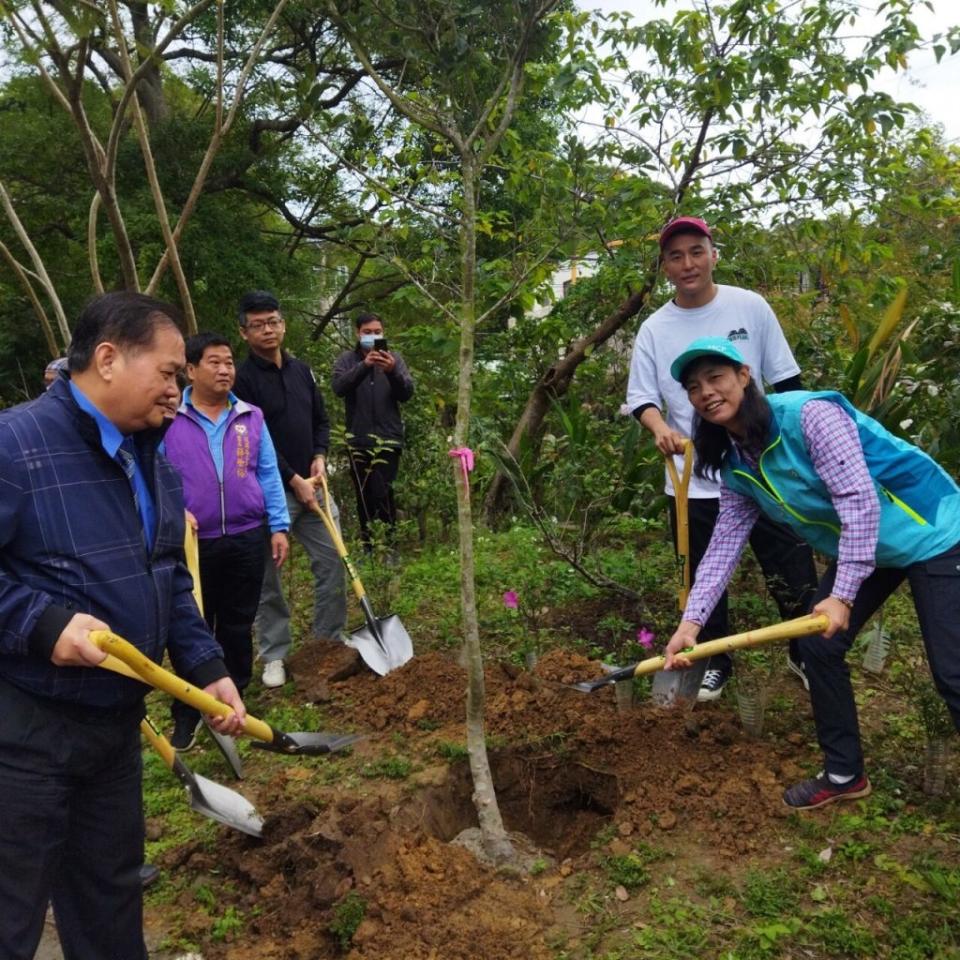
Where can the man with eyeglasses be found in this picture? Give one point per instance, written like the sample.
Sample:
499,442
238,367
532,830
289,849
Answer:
285,389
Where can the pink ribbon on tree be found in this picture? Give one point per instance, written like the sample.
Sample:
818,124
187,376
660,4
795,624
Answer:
466,461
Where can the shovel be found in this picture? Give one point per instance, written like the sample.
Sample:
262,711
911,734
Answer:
801,627
206,797
306,744
191,549
680,687
384,643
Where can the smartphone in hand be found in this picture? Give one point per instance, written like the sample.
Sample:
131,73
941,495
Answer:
380,344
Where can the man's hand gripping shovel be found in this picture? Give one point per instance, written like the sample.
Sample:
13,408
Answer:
207,797
266,736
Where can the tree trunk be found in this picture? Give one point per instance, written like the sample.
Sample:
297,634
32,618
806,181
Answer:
554,384
495,840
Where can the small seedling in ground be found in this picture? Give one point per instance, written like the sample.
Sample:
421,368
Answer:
452,751
348,914
628,871
230,923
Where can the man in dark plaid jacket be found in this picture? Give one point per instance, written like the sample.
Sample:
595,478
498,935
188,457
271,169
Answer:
91,535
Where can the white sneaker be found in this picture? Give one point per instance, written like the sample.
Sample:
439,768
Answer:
274,674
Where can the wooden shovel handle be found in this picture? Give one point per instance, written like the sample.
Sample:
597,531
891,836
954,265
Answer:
801,627
155,675
680,487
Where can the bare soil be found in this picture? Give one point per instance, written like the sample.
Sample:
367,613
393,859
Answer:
577,780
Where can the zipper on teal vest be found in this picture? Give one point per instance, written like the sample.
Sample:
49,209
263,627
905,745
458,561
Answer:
775,495
906,508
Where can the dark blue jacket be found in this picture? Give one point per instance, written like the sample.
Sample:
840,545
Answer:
71,542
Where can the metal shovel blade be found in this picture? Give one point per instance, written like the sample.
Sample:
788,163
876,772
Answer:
228,747
307,744
392,649
218,802
677,688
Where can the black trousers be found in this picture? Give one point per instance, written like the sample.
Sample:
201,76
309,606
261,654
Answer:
935,585
231,574
785,559
373,473
72,829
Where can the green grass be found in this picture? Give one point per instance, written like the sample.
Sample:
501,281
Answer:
393,767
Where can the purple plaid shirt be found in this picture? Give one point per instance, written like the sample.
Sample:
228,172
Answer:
833,443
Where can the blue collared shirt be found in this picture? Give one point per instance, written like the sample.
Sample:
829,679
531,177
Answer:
110,440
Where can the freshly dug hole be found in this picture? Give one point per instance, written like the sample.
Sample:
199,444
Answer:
555,802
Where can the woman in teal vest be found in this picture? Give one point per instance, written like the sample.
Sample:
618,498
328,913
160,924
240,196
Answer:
880,507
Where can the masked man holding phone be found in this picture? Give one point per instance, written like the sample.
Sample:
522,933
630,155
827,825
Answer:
373,382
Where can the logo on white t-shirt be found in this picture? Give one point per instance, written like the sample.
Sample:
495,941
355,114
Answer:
740,334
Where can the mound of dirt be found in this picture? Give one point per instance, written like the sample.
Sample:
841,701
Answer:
566,765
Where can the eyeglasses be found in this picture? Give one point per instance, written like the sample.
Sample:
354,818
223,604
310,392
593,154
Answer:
274,324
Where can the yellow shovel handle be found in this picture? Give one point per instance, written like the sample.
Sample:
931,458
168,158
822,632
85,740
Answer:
326,515
680,488
801,627
191,547
155,675
159,742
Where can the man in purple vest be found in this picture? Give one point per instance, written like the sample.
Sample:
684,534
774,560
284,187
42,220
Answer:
232,485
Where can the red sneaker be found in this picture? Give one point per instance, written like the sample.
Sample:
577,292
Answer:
820,790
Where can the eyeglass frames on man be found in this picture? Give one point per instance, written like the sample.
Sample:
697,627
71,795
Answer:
274,323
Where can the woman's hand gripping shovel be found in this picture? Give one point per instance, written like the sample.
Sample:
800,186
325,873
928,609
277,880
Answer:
207,797
680,687
266,737
801,627
227,747
384,642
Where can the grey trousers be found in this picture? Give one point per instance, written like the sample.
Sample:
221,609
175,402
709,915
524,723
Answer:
329,592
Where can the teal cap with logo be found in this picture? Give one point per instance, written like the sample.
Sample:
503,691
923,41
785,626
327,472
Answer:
704,347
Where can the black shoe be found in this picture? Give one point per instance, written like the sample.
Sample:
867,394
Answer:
149,874
184,736
714,679
821,790
797,667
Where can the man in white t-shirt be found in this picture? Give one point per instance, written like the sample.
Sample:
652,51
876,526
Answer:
702,308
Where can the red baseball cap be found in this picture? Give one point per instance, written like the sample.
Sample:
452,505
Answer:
687,224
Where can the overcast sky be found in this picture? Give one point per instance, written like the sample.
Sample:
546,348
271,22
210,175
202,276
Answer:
933,87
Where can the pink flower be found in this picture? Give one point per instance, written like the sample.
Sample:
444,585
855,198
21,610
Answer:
645,638
510,600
